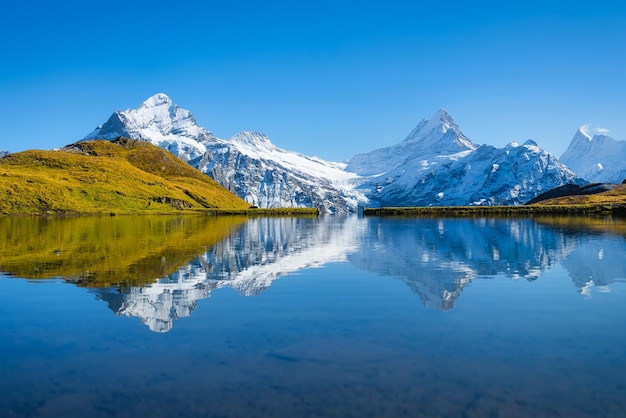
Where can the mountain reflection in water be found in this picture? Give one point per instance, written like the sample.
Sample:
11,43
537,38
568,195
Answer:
248,260
157,268
437,258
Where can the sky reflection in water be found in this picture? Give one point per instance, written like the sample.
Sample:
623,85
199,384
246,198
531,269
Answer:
522,318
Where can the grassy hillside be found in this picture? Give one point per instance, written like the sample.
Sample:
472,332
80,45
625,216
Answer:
122,177
615,196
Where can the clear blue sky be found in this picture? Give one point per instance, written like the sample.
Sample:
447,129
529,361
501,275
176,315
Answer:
325,78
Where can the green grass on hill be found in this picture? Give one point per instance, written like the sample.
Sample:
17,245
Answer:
102,177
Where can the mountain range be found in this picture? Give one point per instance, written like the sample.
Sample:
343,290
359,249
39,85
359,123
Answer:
247,164
436,164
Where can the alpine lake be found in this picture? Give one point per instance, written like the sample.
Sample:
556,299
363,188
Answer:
203,316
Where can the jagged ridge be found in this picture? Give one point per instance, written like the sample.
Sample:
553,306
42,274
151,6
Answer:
436,164
247,164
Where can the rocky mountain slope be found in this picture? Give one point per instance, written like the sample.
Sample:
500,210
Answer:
597,158
247,164
435,165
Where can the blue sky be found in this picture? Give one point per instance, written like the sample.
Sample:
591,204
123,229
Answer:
325,78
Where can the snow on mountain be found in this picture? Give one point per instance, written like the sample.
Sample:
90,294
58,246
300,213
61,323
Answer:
436,137
436,164
161,122
597,158
3,153
248,164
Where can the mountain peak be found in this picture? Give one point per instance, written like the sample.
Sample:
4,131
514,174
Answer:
597,158
158,99
581,143
442,116
159,121
440,121
440,134
583,133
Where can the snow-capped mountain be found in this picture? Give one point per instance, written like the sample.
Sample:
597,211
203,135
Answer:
597,158
253,168
248,164
439,136
436,164
3,153
161,122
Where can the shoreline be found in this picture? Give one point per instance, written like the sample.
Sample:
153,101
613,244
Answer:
503,211
249,212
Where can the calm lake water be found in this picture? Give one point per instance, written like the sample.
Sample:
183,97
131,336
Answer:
303,317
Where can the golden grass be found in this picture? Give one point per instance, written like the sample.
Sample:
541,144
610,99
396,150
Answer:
103,177
601,224
106,251
615,196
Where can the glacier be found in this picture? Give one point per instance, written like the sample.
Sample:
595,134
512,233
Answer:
247,164
436,164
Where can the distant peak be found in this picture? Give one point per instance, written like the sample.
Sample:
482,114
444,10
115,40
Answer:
588,132
584,131
441,114
440,134
441,120
158,99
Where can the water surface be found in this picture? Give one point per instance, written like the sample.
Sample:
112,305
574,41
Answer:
330,317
